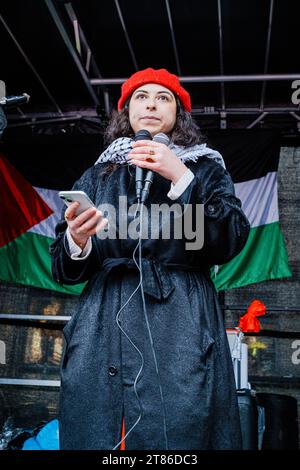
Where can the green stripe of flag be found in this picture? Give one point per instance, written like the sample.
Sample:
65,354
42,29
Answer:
26,260
264,257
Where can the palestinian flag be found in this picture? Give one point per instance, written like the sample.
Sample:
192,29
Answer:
28,218
252,161
32,171
30,206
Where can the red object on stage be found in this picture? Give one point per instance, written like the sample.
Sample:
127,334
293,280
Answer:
249,323
122,447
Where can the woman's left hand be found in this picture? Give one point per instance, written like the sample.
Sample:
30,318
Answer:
157,157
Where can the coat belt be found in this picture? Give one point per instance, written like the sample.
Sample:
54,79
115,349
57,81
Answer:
156,278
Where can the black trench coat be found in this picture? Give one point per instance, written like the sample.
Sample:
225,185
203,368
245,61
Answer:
100,365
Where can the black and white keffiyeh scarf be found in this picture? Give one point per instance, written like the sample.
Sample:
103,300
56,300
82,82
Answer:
119,149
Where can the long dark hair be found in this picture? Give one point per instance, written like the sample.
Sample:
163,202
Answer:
185,132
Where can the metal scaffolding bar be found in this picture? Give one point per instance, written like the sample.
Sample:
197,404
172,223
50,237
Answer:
40,119
90,112
270,309
30,382
126,35
30,65
77,35
244,110
80,38
90,59
257,120
173,37
12,316
221,56
210,78
296,116
35,122
276,334
62,318
266,65
72,51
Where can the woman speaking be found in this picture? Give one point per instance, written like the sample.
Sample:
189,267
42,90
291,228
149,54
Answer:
146,350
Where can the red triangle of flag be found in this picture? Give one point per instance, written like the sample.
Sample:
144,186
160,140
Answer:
21,206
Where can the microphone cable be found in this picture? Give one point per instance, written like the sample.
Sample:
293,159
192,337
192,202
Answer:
139,266
149,330
139,352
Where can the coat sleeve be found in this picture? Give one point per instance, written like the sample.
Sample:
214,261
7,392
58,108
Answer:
65,270
226,228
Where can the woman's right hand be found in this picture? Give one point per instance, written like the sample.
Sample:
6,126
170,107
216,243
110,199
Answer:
83,226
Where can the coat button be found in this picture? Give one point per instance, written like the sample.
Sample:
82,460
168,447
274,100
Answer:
112,371
210,209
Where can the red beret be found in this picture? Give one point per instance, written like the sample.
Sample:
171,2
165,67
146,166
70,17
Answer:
162,77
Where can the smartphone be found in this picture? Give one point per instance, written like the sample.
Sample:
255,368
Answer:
80,196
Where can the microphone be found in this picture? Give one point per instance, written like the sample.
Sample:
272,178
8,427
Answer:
139,173
162,139
11,101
